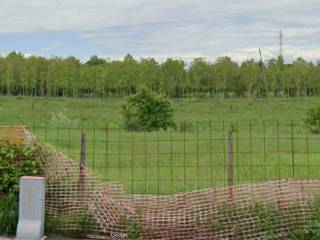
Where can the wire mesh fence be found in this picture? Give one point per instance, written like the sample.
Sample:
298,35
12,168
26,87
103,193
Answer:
171,184
78,204
195,155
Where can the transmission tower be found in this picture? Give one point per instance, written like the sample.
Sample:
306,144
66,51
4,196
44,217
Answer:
281,43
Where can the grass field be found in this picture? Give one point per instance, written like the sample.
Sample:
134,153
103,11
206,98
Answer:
266,144
27,109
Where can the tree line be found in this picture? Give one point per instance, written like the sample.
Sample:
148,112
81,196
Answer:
55,76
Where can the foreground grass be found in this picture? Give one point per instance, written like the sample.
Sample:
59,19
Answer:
266,145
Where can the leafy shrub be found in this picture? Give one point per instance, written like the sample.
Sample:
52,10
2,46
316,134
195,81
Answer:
11,172
313,120
147,111
8,214
15,161
8,151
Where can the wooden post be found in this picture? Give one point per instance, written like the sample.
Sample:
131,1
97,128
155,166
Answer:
230,166
82,165
230,159
83,149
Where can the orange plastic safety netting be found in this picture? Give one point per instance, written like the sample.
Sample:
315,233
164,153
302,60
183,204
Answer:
79,204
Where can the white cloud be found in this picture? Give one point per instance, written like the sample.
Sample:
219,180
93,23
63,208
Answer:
243,54
291,53
307,53
81,15
166,28
52,46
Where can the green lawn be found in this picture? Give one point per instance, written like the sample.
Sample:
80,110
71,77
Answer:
266,145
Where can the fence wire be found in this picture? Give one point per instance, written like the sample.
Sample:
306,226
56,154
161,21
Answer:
78,202
193,156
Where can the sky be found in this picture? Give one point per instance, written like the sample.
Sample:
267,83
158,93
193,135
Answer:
161,29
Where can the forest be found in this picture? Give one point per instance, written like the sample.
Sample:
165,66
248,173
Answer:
56,76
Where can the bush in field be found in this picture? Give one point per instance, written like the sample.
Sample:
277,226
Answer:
147,111
313,120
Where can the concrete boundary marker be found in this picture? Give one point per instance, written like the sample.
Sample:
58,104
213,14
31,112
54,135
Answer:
31,208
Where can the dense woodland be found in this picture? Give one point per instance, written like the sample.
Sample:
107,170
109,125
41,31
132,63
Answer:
39,76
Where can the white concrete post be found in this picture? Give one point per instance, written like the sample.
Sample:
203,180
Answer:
31,208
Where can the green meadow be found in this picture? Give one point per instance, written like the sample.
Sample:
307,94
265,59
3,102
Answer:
270,140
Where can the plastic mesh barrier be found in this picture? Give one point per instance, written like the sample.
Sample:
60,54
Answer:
77,203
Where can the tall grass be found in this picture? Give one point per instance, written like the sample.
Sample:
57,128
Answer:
8,214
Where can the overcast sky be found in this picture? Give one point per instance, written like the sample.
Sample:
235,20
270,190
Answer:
161,28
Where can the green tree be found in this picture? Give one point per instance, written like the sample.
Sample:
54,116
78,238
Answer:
201,75
226,72
147,111
301,72
149,73
173,74
249,76
95,60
